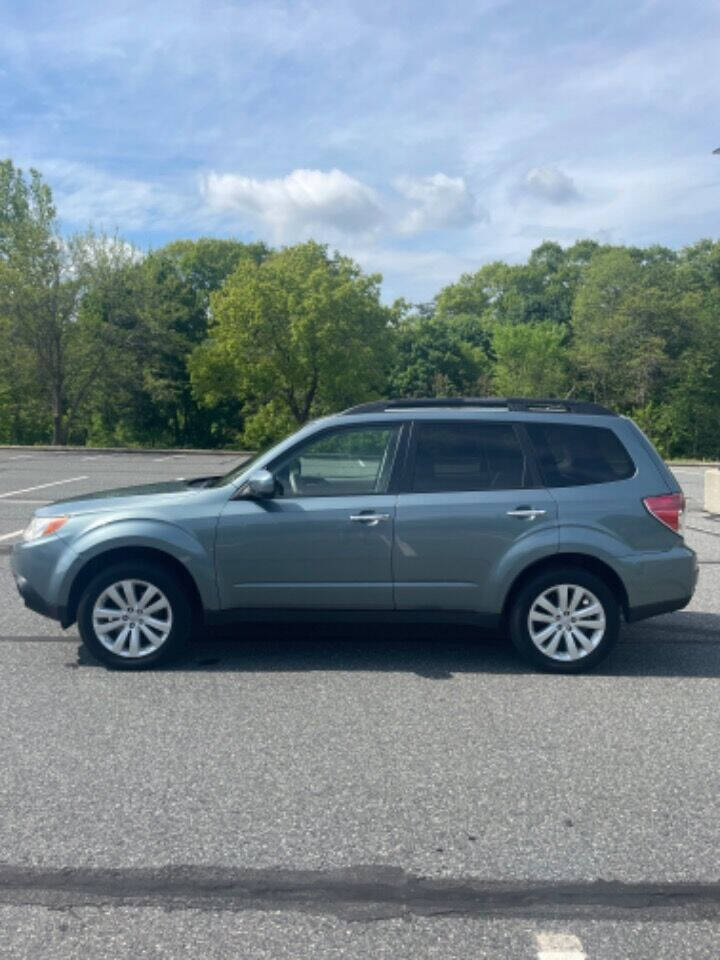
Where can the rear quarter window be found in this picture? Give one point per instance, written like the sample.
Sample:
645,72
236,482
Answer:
572,455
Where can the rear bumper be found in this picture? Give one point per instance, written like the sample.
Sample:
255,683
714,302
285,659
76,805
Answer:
658,582
655,609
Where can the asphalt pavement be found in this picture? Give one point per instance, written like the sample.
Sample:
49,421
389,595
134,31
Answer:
322,792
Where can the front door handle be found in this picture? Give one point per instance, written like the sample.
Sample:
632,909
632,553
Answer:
526,513
369,518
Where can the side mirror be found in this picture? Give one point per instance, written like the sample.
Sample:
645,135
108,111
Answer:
260,484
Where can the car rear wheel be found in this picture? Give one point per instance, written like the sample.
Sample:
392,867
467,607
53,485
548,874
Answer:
134,615
565,620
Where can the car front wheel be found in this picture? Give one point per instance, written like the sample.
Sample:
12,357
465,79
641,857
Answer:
565,620
134,615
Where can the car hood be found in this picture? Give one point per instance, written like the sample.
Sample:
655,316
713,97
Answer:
118,498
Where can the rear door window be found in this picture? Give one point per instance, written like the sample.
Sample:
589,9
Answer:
467,456
572,455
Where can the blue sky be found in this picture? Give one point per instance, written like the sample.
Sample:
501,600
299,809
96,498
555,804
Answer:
423,139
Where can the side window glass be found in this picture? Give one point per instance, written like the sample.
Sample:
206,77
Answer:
467,456
571,455
345,462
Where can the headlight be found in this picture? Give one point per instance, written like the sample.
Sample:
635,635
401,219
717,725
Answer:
43,527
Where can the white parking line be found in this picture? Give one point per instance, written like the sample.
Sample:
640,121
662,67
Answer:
41,486
559,946
22,456
95,456
9,536
172,456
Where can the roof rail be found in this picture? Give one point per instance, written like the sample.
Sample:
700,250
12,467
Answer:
515,404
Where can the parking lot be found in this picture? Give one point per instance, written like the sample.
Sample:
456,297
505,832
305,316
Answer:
321,792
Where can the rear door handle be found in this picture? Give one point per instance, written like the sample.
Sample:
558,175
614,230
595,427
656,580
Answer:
369,518
526,513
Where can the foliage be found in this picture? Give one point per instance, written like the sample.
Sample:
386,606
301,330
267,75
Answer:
214,342
435,357
530,360
155,312
43,280
300,334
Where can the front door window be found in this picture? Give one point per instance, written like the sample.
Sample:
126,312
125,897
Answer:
354,461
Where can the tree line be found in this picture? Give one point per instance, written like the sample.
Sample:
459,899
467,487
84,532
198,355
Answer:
218,343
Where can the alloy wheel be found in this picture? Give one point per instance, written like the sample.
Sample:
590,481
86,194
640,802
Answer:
566,622
132,618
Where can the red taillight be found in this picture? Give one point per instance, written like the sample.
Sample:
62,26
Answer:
668,509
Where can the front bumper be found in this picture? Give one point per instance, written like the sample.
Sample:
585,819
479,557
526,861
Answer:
37,570
33,601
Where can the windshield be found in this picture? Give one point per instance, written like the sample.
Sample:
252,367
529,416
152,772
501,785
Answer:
238,470
246,465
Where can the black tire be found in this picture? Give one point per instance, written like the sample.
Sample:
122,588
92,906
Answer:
526,598
180,616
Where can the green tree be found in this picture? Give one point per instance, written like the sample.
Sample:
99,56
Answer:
686,419
24,413
631,319
26,218
540,290
435,357
204,340
43,279
691,414
204,264
299,334
154,313
530,360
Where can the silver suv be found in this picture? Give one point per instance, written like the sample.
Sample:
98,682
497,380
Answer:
550,520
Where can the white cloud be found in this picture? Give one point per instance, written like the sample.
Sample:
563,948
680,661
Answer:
439,201
299,202
550,106
550,184
315,200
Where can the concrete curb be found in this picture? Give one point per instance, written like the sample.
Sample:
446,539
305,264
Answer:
148,451
712,491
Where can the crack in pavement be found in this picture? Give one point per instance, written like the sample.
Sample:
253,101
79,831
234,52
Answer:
366,892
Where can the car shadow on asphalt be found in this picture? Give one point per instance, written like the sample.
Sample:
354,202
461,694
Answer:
684,644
